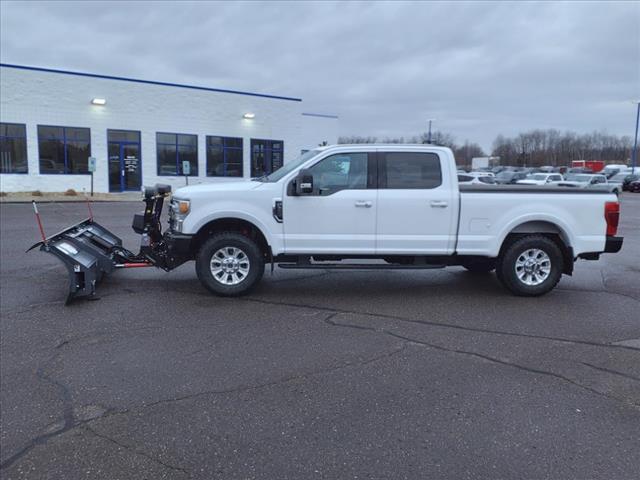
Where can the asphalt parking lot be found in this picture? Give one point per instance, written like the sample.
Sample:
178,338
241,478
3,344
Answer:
436,374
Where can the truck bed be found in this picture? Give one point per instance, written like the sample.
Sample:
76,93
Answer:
486,216
531,189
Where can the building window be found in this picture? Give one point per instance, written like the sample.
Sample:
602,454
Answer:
175,148
13,148
224,157
266,156
64,150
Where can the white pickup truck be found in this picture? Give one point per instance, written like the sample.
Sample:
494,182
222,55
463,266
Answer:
355,207
339,205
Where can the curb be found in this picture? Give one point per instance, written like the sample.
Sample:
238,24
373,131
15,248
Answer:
74,199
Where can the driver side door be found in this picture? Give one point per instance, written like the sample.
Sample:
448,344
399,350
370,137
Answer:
339,215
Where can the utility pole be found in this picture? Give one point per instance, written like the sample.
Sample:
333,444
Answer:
429,134
634,152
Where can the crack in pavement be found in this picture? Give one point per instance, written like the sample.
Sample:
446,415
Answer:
330,321
291,378
591,290
614,372
129,448
70,422
438,324
67,415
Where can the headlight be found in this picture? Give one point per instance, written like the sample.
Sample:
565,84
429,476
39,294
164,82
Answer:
178,210
183,206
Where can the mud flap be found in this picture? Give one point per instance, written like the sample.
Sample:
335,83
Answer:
88,251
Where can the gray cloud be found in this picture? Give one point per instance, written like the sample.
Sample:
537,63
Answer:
478,68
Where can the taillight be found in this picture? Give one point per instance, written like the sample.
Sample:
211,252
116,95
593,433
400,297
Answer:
612,216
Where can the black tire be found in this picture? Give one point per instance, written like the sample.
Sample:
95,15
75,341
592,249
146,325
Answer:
519,250
251,270
480,265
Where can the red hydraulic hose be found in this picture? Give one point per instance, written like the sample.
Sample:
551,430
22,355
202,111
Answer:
35,209
89,207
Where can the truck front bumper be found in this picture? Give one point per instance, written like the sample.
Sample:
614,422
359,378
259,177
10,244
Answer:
179,244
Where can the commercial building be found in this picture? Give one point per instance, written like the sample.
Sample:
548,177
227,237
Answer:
140,132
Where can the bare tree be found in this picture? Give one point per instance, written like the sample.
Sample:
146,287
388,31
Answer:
551,147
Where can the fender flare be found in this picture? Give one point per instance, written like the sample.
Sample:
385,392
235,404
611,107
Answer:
219,215
535,217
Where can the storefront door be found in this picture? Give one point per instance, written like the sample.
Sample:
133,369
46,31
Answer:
125,168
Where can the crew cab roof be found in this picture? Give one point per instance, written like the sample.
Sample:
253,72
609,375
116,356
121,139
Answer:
385,146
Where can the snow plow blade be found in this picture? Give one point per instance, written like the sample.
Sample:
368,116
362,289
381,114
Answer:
88,251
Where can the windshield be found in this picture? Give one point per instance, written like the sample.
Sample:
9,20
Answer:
289,167
506,175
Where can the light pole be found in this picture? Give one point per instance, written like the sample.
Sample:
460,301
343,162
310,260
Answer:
634,152
429,134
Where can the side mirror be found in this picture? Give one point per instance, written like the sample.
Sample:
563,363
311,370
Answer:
304,182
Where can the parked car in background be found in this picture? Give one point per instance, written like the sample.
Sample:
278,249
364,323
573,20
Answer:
574,170
541,179
613,169
629,179
474,178
619,178
597,181
634,186
510,177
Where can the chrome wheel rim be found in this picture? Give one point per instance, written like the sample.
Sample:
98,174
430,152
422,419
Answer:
229,266
533,266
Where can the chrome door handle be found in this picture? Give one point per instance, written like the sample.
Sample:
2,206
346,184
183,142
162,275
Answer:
365,204
439,204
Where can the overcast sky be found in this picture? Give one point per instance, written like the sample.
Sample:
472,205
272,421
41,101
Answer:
478,69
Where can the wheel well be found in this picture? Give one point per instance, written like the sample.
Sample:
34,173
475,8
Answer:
547,229
238,225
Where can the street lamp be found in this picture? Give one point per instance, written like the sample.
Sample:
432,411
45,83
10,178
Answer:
429,135
634,152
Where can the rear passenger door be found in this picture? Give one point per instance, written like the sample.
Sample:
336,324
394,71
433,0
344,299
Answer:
417,204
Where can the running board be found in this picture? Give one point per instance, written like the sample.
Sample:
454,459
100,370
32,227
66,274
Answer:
356,266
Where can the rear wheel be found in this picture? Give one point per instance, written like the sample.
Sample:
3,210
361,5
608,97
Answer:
229,264
530,266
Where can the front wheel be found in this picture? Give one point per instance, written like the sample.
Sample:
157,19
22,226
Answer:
530,266
229,264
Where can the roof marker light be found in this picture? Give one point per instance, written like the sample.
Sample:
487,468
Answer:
98,101
249,116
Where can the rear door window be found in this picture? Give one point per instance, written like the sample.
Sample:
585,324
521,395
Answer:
409,170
